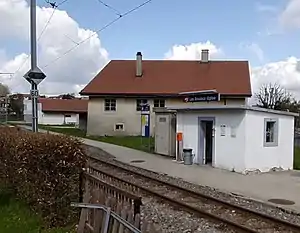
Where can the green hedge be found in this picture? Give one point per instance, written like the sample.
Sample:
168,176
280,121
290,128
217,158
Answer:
44,170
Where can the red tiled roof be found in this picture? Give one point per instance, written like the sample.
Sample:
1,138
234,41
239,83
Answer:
64,105
166,77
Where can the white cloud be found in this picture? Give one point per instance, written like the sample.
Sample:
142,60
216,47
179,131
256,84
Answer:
193,51
285,73
260,7
255,49
66,75
290,16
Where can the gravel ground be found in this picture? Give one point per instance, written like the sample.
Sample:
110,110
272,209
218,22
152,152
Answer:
231,198
169,220
248,220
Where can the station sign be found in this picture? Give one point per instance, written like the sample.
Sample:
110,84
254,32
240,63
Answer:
202,98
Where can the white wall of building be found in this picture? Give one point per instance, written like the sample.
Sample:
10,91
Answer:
48,118
228,150
262,157
58,119
242,148
101,122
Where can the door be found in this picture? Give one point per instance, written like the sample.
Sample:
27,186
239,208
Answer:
162,134
206,140
145,125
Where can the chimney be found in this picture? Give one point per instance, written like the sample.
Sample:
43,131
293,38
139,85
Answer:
204,55
139,70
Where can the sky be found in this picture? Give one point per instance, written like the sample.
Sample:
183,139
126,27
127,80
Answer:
74,43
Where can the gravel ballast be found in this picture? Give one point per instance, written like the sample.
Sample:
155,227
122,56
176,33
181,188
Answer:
168,220
231,198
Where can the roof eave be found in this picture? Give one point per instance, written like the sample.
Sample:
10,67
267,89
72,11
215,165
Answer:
64,111
155,95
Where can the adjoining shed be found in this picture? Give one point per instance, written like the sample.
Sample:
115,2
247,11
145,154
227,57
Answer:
237,138
59,111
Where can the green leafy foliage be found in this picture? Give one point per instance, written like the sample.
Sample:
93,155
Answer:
43,170
16,217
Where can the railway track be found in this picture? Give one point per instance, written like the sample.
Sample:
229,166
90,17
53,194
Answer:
232,216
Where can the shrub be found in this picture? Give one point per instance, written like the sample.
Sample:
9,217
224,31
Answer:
44,170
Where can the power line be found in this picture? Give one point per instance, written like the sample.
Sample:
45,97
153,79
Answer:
59,4
47,24
110,7
95,33
54,6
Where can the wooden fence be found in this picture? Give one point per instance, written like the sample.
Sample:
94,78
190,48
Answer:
119,212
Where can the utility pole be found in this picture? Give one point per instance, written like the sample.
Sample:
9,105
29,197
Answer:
34,76
33,64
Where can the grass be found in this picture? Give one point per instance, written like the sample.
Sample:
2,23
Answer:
134,142
297,158
16,217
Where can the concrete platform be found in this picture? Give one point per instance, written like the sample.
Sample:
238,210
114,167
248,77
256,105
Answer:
261,187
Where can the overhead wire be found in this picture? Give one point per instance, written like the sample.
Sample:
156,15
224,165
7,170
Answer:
110,7
54,6
95,33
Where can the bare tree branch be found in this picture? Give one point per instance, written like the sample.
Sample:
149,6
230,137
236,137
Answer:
273,96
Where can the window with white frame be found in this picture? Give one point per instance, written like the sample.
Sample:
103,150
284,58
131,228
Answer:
159,103
119,127
110,105
139,103
271,132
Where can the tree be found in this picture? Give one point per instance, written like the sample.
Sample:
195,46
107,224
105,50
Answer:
17,105
273,96
68,96
4,90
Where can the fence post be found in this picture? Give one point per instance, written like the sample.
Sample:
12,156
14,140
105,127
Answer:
137,206
80,188
107,218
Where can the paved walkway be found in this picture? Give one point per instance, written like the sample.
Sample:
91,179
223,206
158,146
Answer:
262,187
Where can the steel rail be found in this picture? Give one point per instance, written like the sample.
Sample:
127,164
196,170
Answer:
265,217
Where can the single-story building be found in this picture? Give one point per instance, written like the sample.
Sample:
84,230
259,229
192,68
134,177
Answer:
58,111
122,95
237,138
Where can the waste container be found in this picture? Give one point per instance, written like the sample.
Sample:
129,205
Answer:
188,156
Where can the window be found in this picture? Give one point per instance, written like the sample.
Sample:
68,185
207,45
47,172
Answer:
140,102
159,103
67,115
110,105
119,127
271,132
162,119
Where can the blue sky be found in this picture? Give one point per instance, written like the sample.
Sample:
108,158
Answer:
264,32
156,27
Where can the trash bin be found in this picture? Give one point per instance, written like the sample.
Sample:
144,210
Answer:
188,156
